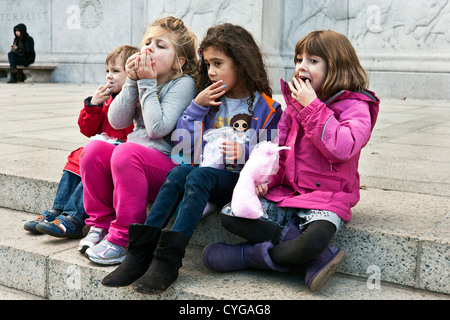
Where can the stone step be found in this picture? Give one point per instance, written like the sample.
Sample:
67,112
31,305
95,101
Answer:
40,266
380,238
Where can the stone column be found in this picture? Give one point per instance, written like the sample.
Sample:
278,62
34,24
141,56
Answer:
272,41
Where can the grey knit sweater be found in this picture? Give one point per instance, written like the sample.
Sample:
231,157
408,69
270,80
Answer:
154,110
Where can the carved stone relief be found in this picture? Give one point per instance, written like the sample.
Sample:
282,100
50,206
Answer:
400,25
90,26
388,35
202,14
395,25
302,17
401,36
91,13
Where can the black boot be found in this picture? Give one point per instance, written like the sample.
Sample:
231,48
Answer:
142,243
21,77
163,270
13,78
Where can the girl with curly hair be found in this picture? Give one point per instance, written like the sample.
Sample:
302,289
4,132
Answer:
232,80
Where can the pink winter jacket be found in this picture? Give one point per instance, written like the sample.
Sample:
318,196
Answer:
321,169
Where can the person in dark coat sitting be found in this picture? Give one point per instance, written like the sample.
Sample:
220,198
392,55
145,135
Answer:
22,51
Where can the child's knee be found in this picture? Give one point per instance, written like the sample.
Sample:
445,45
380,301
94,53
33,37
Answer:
127,156
95,147
95,152
179,171
199,175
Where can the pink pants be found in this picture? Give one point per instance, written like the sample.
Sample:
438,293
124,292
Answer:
118,183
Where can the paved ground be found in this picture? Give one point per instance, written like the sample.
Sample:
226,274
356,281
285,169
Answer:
409,149
404,169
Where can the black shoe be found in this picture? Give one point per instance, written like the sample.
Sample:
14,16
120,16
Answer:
12,80
21,77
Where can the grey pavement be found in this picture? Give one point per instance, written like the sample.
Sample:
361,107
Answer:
400,227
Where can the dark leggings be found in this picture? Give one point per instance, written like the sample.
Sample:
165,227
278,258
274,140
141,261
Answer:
15,59
308,245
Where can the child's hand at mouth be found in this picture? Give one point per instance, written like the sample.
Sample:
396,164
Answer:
208,96
302,91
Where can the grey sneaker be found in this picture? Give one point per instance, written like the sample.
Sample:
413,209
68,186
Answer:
94,236
106,253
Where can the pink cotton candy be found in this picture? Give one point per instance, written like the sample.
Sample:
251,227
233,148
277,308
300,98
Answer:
262,163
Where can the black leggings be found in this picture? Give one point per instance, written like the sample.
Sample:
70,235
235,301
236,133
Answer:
312,241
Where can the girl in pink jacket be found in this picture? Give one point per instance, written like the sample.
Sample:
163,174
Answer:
328,120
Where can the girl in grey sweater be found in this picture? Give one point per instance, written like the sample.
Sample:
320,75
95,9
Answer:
119,181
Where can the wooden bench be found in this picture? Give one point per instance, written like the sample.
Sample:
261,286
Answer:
36,72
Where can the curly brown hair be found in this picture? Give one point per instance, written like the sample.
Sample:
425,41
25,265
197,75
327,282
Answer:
239,45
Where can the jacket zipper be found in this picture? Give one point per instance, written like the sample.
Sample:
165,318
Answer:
323,133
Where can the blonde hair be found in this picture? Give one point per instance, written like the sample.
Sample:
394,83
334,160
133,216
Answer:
344,71
123,52
183,39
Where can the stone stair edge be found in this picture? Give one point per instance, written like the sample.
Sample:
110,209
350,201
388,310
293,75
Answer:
408,249
54,270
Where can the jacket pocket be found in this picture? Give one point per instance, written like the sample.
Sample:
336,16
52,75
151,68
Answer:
314,181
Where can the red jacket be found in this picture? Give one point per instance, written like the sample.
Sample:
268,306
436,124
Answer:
93,120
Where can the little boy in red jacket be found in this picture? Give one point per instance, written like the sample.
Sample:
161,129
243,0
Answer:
66,217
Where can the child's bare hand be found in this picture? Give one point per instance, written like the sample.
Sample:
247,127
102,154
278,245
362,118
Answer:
232,150
302,92
145,67
262,189
100,95
130,67
208,96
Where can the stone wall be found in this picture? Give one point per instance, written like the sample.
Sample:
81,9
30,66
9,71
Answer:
404,44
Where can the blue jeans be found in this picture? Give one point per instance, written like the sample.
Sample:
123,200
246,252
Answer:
69,196
191,188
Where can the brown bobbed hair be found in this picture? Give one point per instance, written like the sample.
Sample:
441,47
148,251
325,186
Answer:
344,71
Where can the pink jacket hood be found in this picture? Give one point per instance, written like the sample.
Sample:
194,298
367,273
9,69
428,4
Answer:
321,169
